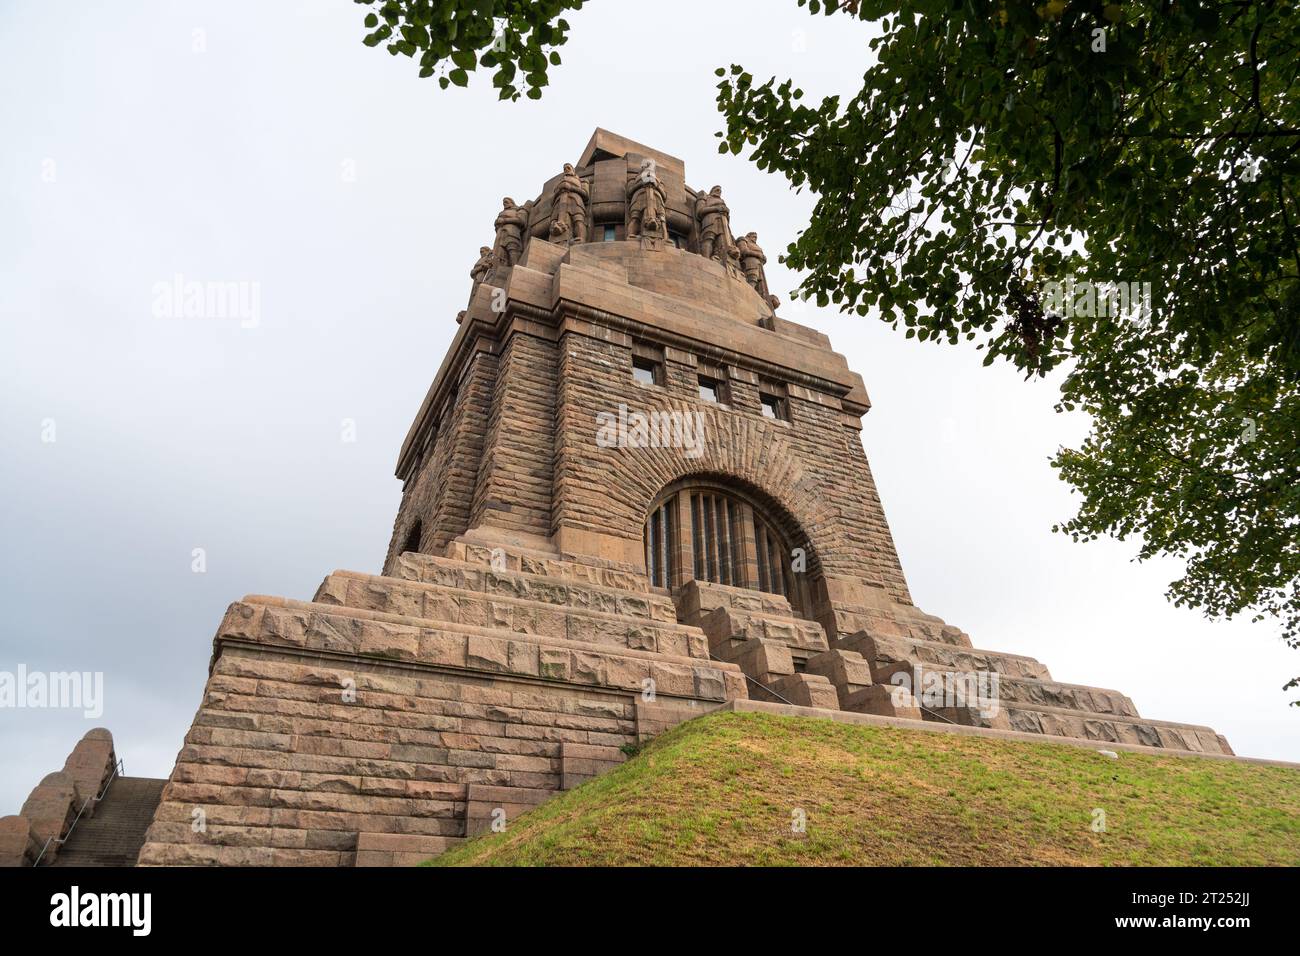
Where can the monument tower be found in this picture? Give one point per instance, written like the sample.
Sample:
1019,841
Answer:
632,494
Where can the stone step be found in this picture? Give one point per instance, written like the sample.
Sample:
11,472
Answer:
732,617
771,666
505,556
802,690
1085,725
531,614
883,700
726,624
1023,690
696,599
895,621
115,834
603,596
1044,693
847,670
882,651
341,629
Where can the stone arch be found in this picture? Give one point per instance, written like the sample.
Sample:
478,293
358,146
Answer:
770,507
754,456
718,529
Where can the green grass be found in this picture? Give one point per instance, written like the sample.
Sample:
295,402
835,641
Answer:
723,790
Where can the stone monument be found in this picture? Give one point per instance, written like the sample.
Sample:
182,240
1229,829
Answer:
632,493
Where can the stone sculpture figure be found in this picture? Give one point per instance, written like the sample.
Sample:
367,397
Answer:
715,225
647,205
487,261
569,207
510,225
752,261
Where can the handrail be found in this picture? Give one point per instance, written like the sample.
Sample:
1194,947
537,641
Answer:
119,769
927,710
768,689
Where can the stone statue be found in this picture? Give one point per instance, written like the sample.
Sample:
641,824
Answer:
487,261
752,261
569,208
715,225
731,261
647,205
510,225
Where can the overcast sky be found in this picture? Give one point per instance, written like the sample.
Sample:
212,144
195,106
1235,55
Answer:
262,143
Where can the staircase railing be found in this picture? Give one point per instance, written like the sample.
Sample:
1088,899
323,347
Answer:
769,690
119,769
933,713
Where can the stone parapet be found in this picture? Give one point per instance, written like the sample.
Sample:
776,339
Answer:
53,806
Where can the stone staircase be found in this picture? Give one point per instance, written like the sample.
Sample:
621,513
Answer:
115,834
866,670
1027,697
485,680
786,658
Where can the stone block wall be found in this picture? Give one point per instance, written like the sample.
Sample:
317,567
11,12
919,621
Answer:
440,493
392,716
289,768
515,477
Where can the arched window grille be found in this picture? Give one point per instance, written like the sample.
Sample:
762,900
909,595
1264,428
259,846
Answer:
659,536
707,534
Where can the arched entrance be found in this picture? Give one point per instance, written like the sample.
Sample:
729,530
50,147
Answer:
708,531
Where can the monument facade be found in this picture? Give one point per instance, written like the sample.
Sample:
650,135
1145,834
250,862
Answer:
632,493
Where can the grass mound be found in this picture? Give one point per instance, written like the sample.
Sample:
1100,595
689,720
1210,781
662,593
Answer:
731,788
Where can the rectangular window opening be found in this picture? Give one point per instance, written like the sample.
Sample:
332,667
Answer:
645,371
774,407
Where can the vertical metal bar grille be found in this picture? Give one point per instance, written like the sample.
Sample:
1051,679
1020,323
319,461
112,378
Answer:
724,543
719,528
660,538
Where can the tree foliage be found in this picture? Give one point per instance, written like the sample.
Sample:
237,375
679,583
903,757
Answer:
1002,165
515,38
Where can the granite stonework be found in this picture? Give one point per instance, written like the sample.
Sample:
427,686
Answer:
37,832
516,642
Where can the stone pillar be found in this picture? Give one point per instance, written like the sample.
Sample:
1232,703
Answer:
684,569
748,548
